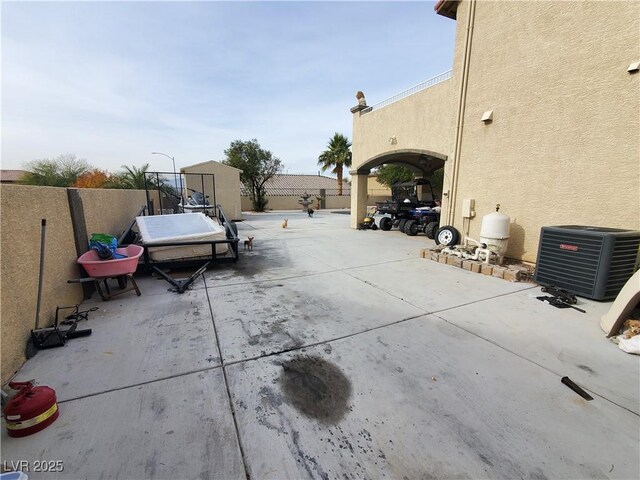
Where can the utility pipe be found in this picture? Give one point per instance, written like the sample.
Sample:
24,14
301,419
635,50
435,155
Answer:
462,100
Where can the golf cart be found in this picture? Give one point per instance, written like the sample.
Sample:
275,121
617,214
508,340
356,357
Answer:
412,210
403,204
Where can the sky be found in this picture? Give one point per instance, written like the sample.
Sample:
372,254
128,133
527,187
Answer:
112,82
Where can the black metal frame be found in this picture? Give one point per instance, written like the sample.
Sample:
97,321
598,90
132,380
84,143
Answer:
161,181
203,262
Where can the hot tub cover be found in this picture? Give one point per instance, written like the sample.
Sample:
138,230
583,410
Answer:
181,227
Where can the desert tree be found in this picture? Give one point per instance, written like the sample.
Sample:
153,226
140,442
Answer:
62,171
257,165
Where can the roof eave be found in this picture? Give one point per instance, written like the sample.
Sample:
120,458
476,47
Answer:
447,8
208,161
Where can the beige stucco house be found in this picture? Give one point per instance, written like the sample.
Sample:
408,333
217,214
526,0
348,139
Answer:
540,113
226,181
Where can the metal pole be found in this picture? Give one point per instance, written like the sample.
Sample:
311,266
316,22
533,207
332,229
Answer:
181,191
175,177
42,244
204,197
159,191
213,187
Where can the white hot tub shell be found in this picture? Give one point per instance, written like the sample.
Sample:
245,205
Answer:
181,227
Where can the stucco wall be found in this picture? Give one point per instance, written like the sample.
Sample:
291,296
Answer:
335,201
375,188
563,147
290,202
422,121
21,211
227,186
110,211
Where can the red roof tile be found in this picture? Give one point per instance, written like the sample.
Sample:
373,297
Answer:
11,175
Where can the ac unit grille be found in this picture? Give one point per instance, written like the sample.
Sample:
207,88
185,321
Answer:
589,261
625,254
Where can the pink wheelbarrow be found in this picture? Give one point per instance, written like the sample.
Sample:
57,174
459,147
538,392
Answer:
120,268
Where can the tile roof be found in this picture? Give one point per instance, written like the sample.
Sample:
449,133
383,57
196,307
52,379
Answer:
295,185
11,175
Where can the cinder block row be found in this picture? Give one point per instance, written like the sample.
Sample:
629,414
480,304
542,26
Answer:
511,273
472,266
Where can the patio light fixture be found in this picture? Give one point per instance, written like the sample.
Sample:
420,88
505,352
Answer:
487,117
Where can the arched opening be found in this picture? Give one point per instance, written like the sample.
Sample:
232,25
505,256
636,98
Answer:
421,162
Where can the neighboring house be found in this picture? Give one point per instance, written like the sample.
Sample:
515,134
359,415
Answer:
226,182
540,114
11,176
284,191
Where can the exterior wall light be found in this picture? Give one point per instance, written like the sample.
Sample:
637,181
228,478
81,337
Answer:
633,67
487,117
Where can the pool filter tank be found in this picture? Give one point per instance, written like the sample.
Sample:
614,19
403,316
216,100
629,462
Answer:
494,232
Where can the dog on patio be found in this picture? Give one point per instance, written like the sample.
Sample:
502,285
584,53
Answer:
310,212
633,328
248,244
285,223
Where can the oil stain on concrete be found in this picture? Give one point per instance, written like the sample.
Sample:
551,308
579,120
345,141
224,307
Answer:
316,388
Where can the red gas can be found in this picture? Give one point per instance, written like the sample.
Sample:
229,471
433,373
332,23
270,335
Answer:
32,409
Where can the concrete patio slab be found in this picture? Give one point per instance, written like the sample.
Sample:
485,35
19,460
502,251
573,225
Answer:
336,370
134,340
270,259
266,317
423,399
177,428
343,253
329,240
565,341
433,286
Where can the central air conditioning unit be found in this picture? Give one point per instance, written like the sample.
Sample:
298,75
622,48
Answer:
592,262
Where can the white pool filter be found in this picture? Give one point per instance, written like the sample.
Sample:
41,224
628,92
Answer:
494,232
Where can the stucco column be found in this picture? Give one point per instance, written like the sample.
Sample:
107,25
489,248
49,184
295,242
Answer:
358,197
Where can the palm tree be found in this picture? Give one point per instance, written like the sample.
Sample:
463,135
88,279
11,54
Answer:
133,177
336,156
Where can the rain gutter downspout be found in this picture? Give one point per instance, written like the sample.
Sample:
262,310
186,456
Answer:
461,109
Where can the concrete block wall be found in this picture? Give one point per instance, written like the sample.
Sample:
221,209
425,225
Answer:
110,211
338,202
290,202
21,210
